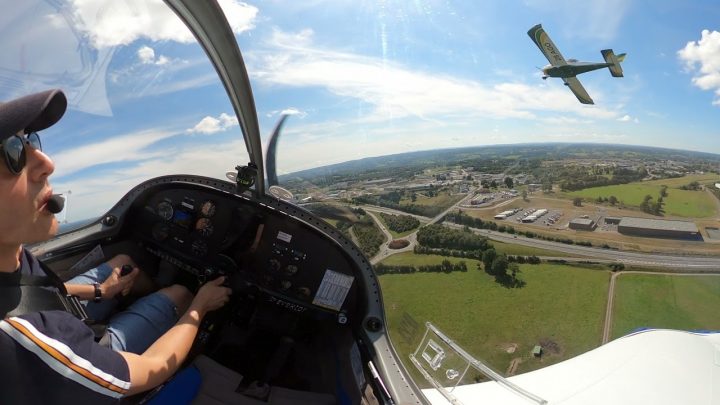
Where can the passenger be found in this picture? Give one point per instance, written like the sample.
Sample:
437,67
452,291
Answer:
52,356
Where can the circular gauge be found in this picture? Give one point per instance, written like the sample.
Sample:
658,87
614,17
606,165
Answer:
204,227
199,248
207,209
165,210
160,231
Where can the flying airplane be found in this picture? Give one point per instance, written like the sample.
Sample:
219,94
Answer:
570,68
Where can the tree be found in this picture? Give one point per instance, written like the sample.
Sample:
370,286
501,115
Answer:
547,187
509,182
499,266
577,201
493,184
485,183
488,257
524,195
613,200
645,205
663,191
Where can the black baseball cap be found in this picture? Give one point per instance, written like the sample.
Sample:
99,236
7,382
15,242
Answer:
34,112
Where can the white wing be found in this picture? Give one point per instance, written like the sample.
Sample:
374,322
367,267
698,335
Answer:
578,90
546,45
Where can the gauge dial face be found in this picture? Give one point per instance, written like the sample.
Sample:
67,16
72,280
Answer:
165,210
204,227
207,209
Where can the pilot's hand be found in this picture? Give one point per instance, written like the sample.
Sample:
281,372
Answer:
116,284
211,296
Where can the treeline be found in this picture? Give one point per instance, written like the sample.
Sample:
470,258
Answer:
445,267
438,236
423,210
467,254
620,176
400,223
461,218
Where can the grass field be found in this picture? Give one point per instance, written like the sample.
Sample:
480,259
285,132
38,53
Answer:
562,306
443,199
663,301
683,203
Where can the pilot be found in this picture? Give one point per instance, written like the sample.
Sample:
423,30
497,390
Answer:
52,356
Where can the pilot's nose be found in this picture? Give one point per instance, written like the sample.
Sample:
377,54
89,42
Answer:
39,165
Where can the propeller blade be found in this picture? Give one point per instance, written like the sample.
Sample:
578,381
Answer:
270,167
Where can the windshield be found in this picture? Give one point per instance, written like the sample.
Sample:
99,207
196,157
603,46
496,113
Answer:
143,98
531,199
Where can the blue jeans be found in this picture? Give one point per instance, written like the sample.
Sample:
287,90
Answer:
137,327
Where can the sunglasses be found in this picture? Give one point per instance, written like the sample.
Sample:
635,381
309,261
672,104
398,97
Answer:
13,148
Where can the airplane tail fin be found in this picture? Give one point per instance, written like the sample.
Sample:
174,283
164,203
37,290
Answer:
614,62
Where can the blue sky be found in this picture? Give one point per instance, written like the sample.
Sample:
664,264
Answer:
361,78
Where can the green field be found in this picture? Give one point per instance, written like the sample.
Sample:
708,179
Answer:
663,301
563,306
683,203
443,199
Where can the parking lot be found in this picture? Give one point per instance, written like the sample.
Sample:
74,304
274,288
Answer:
551,218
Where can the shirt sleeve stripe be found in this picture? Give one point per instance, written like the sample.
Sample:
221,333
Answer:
62,359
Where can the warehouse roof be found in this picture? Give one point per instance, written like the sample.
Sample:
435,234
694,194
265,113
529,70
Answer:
658,224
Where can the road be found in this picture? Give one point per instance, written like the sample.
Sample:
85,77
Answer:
679,263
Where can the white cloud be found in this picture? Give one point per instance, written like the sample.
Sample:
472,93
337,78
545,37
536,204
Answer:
211,125
625,118
147,57
703,59
122,148
114,23
397,91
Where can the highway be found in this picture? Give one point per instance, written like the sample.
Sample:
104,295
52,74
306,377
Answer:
675,263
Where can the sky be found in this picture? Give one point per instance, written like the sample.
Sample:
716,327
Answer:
360,78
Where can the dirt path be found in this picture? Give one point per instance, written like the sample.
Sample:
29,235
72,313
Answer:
514,363
607,327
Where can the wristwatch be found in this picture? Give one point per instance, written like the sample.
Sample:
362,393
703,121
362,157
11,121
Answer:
98,292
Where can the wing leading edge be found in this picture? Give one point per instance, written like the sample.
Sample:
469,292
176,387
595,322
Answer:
574,84
546,45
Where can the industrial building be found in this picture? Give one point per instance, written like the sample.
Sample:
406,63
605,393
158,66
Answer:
582,224
612,220
535,215
659,228
504,214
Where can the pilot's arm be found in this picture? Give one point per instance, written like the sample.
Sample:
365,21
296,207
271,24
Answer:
161,360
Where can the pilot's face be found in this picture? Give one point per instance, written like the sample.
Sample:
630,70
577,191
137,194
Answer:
23,218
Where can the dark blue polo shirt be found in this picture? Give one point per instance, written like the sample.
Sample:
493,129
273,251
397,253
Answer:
51,357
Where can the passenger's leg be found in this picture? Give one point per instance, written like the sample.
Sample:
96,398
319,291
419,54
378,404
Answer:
141,324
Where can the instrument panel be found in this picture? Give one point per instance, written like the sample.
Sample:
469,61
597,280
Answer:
209,233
